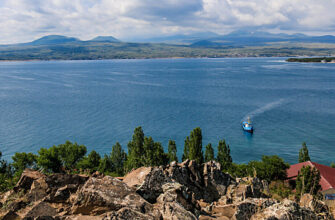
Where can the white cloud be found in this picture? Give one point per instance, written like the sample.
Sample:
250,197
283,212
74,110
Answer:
24,20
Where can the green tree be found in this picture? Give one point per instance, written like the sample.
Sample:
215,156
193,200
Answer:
71,153
209,153
6,175
332,165
23,160
186,149
90,162
223,156
195,146
308,181
172,151
118,158
136,150
149,151
161,158
49,159
303,154
106,165
270,168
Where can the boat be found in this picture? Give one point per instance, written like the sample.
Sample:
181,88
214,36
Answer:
247,126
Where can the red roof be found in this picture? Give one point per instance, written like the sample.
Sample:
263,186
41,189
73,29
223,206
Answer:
327,173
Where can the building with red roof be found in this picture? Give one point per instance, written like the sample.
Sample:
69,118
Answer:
327,180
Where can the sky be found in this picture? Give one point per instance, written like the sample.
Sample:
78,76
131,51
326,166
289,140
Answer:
26,20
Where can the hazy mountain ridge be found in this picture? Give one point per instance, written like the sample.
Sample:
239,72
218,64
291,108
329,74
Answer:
235,44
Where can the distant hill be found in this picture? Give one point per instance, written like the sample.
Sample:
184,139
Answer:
258,38
105,39
53,39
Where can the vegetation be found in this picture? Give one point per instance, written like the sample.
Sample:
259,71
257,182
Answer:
209,153
308,181
121,50
144,151
172,151
303,154
224,157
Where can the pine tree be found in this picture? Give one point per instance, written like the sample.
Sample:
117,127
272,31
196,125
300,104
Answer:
308,181
149,151
195,146
209,153
172,151
303,154
186,149
223,156
159,157
106,165
136,150
118,158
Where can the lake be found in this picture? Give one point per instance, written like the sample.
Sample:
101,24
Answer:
96,103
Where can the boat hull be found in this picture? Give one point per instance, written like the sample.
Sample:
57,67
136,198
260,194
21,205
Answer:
247,127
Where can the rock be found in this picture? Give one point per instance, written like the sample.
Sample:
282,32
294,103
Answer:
151,187
206,181
98,196
27,178
127,213
175,193
286,210
136,177
41,209
10,215
317,206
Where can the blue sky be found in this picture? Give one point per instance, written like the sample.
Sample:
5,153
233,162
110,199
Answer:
25,20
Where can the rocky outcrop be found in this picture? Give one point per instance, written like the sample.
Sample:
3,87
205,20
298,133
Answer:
99,196
178,191
206,181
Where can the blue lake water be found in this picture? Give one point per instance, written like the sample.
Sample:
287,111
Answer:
97,103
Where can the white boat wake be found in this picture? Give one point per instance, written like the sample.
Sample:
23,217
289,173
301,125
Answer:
265,108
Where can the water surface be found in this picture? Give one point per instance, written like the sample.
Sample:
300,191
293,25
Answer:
97,103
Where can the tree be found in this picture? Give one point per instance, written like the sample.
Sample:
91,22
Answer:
186,149
209,153
332,165
71,153
223,156
6,174
23,160
195,146
160,158
106,165
303,154
136,150
91,161
308,181
270,168
49,159
149,151
118,158
172,151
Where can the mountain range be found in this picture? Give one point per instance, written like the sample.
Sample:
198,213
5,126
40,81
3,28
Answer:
202,39
205,44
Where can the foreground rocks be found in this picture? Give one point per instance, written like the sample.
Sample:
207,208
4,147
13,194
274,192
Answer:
178,191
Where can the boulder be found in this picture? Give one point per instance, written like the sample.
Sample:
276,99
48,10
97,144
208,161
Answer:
177,201
41,209
127,213
27,178
286,210
206,181
10,215
136,177
99,196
